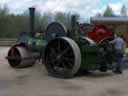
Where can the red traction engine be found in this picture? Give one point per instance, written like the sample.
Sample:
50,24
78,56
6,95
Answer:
99,34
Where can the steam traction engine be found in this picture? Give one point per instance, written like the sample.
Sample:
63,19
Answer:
64,51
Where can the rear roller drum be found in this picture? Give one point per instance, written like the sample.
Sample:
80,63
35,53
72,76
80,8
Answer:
19,57
62,57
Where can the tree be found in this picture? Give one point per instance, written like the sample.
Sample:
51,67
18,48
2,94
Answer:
4,11
108,12
123,11
3,20
60,17
64,18
11,24
45,20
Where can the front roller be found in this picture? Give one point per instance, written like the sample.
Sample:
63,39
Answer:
62,57
19,57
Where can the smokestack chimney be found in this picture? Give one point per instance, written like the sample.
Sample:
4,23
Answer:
74,25
32,21
73,21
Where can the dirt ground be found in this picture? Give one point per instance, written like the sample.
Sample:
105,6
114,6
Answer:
34,81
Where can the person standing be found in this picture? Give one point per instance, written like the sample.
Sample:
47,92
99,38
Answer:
119,46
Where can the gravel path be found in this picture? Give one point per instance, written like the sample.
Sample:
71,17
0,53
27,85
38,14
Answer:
34,81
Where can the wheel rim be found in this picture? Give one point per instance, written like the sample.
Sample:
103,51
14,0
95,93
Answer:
60,58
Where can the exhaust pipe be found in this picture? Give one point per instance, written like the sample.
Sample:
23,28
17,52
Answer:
32,21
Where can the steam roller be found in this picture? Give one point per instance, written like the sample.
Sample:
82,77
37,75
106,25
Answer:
28,47
64,52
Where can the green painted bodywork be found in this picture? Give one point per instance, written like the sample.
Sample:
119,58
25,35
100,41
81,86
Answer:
37,44
89,54
89,57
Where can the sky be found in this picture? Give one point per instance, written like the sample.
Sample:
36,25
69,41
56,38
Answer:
85,8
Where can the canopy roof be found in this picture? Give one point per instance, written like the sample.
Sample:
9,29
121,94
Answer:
109,20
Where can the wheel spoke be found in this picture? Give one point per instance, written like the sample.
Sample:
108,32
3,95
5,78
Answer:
52,61
69,63
68,59
59,46
52,51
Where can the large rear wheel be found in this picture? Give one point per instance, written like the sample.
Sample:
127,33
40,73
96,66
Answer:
62,57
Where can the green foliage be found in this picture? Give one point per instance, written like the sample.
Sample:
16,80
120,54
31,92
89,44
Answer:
4,11
63,18
108,12
123,11
12,25
121,30
44,20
